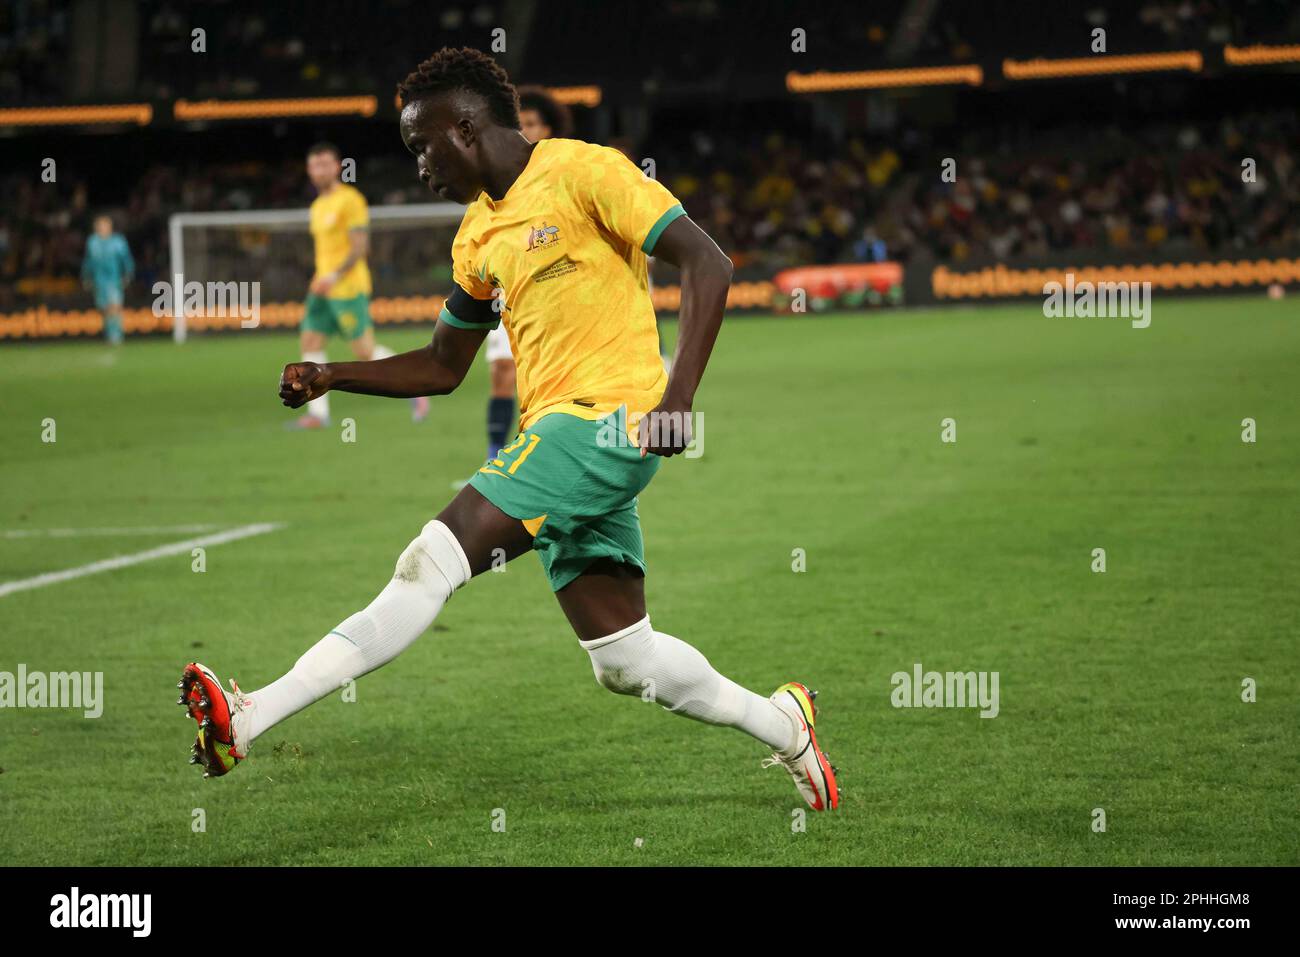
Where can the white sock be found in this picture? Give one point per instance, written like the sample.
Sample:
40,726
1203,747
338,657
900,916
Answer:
641,661
318,407
428,571
381,352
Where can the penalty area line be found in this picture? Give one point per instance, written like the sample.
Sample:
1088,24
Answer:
124,561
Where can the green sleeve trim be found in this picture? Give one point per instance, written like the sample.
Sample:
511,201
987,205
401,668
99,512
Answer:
449,319
657,229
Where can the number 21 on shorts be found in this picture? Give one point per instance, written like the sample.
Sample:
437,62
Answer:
531,439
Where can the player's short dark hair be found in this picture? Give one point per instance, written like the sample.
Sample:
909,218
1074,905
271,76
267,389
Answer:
324,147
553,113
464,69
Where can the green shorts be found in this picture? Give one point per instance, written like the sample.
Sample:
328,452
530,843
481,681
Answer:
573,483
349,318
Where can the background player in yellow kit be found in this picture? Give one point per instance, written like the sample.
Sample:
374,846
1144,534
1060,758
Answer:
338,299
553,244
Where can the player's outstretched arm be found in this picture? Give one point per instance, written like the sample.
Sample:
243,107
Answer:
436,369
706,277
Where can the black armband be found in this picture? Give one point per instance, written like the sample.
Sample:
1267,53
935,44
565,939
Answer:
465,312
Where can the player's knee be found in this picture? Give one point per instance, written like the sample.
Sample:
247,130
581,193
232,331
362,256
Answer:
414,565
623,662
620,680
433,561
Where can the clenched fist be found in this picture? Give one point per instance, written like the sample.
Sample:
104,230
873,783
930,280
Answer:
300,382
666,429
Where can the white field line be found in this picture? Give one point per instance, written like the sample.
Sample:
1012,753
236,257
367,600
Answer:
11,533
123,561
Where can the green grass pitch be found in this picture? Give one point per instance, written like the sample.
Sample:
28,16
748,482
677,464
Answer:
1120,691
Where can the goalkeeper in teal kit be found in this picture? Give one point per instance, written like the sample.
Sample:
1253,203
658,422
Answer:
107,269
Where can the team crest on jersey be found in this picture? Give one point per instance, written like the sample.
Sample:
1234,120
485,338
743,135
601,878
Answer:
543,235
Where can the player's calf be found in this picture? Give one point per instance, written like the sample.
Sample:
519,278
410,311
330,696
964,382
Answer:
640,661
429,569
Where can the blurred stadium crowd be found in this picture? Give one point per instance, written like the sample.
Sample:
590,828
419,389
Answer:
780,201
288,48
773,192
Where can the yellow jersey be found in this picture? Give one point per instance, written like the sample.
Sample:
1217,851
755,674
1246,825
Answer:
564,253
333,216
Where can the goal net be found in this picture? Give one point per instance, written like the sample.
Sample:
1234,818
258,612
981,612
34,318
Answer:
230,265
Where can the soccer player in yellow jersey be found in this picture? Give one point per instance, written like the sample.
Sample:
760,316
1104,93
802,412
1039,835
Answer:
541,117
338,299
553,246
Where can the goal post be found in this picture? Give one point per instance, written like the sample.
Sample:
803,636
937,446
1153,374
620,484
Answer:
409,260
